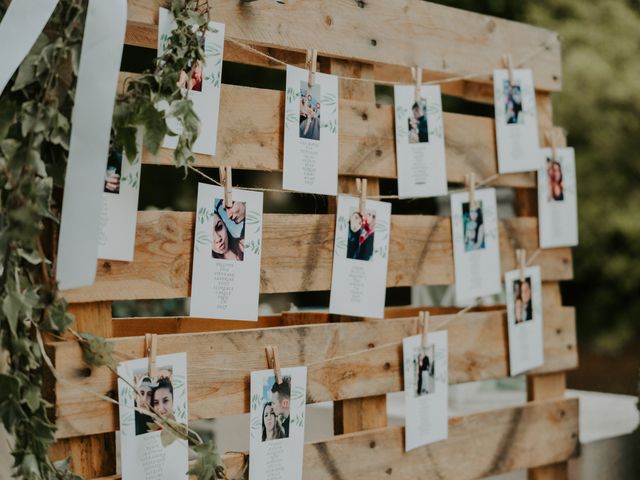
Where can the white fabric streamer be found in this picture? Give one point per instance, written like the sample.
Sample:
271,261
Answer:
88,150
21,25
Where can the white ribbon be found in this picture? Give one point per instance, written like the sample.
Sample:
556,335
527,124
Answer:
21,25
89,145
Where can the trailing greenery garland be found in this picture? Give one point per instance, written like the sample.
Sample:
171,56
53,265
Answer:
35,112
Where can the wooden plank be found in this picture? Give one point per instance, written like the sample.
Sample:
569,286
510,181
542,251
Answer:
297,255
250,136
479,445
132,327
381,32
478,350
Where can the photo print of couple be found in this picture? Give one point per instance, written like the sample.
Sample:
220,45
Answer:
276,424
227,247
148,449
473,227
360,241
513,103
417,122
192,77
228,230
114,170
309,111
523,309
424,368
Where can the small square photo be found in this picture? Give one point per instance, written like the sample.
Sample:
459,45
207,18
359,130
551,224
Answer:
473,227
114,170
192,77
417,122
555,184
424,370
513,103
276,404
153,393
309,111
228,230
360,235
522,303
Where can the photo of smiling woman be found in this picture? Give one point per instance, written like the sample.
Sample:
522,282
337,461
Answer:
555,188
153,394
360,235
228,231
271,428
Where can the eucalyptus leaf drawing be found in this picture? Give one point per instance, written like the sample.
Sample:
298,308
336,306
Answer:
202,240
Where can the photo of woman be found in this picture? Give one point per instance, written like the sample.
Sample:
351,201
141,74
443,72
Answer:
271,428
513,103
114,170
417,122
228,231
192,78
276,408
555,185
154,395
360,235
424,366
522,303
473,227
309,111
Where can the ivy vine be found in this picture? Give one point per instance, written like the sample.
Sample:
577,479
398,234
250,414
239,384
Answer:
35,112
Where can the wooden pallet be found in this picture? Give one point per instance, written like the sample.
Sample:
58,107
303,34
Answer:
372,39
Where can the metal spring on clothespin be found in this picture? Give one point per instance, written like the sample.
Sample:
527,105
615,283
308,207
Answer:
521,260
361,185
151,348
312,65
423,319
550,137
273,359
225,180
470,179
507,62
417,78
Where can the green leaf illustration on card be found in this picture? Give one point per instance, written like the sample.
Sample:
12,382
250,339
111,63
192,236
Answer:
341,247
331,125
202,240
292,119
381,251
253,246
293,94
434,109
204,214
213,49
342,223
127,420
299,395
256,399
254,218
298,420
382,226
330,100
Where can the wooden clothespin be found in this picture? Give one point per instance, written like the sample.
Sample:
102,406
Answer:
508,64
550,137
417,78
471,183
312,65
151,348
361,185
225,180
521,260
273,359
423,318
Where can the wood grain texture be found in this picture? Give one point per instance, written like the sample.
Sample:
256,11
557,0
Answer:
251,136
297,254
478,350
479,445
388,32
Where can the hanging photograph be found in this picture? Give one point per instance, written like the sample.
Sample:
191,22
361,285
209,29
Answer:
311,133
361,248
557,198
420,151
426,389
476,248
277,419
516,121
119,214
225,282
150,449
203,80
524,317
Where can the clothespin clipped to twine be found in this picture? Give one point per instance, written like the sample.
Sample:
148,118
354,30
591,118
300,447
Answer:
521,260
361,185
471,183
550,137
273,359
507,62
225,180
151,348
312,65
417,78
423,318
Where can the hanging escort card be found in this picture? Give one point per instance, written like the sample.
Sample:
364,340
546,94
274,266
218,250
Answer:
422,171
557,198
476,249
119,205
203,81
225,282
516,121
524,317
311,133
149,450
426,389
277,417
361,250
